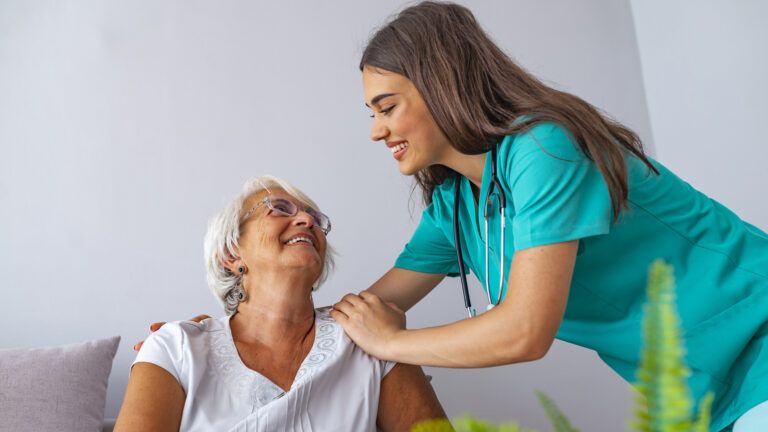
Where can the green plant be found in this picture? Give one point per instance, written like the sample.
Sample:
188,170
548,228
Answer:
467,424
556,417
663,402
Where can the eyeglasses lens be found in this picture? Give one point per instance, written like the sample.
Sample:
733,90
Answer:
285,207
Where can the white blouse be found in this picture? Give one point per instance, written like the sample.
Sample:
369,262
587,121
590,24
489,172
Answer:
336,388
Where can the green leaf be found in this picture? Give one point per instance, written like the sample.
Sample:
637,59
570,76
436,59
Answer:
705,408
556,417
663,402
467,424
435,425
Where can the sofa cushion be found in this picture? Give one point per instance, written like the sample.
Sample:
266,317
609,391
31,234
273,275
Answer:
57,388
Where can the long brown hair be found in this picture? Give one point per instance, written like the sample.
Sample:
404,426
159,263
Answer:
477,94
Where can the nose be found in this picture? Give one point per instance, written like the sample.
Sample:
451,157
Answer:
378,130
302,218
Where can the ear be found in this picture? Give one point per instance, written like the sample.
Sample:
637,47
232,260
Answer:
232,263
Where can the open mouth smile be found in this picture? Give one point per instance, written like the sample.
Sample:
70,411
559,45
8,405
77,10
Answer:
398,150
300,240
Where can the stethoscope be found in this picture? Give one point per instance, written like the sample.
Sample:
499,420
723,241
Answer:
494,184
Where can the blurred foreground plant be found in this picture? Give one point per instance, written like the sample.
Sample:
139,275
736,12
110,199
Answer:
663,402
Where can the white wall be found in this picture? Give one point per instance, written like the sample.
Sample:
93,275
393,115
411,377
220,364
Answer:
125,125
705,65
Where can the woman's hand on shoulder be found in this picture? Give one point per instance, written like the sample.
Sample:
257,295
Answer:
156,326
370,322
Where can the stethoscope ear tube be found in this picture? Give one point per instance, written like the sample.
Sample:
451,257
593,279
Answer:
459,255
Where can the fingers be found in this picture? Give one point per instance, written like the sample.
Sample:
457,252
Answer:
370,297
353,299
152,328
352,304
346,307
156,326
348,304
339,316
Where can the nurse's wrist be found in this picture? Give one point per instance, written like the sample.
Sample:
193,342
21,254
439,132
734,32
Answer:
394,347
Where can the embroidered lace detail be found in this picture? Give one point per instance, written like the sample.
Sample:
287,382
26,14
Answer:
326,342
225,362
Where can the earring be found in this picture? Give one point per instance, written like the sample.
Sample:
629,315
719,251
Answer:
234,297
241,269
239,294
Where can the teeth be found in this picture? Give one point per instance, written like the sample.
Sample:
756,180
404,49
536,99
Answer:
300,239
399,147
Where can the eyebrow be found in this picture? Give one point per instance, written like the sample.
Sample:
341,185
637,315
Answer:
299,203
377,98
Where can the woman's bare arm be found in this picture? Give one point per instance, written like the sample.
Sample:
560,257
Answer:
404,287
406,398
521,328
154,401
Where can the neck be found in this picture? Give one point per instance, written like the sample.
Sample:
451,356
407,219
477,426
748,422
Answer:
470,166
278,311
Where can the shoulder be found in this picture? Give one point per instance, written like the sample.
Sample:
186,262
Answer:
331,336
192,328
545,139
323,319
444,192
442,200
328,329
180,334
178,342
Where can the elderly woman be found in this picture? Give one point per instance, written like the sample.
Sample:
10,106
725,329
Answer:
274,362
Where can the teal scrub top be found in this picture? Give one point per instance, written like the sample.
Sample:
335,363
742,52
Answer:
556,194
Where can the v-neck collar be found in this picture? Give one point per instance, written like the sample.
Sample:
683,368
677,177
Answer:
296,380
469,199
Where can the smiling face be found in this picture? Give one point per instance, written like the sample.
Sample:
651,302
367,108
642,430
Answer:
272,242
402,120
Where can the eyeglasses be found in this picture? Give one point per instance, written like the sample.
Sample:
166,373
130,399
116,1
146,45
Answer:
287,208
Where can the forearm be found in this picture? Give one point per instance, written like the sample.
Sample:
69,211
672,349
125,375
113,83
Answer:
404,287
483,341
520,329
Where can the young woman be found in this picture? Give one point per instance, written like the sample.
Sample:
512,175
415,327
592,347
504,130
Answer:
559,213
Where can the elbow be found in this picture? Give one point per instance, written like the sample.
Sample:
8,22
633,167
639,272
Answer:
538,349
526,349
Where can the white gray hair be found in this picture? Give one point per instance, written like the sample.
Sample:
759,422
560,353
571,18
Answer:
223,235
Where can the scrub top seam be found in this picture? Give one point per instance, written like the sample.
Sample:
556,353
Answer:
600,297
406,266
697,245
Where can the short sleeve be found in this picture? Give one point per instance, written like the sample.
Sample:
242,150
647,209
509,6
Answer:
164,348
558,193
386,366
429,250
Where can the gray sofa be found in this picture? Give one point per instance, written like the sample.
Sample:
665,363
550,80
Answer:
58,389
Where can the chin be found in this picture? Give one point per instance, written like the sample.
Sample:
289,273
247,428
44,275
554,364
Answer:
408,169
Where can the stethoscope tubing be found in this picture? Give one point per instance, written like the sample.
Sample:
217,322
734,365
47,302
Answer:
494,184
471,312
